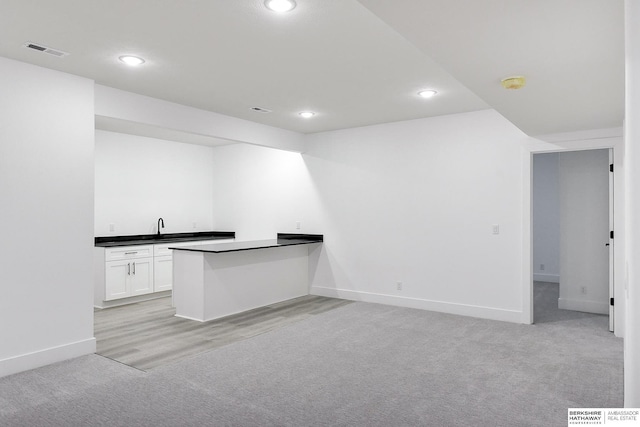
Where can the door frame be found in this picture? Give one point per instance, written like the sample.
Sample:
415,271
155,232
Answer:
576,141
612,246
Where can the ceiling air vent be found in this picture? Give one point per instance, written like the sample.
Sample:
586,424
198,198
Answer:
45,49
260,110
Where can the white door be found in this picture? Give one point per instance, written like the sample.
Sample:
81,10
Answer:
584,231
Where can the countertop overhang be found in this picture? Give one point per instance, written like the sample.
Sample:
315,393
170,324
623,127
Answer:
283,239
152,239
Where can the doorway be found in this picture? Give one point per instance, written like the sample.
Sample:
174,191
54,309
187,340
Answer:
572,196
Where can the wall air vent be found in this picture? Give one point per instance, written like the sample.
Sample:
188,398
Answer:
260,110
45,49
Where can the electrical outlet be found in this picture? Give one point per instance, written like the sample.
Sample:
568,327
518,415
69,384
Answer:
195,225
541,267
399,286
583,290
297,225
112,227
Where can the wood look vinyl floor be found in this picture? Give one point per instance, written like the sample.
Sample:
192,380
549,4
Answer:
145,335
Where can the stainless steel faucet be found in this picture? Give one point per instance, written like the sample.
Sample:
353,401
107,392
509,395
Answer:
160,221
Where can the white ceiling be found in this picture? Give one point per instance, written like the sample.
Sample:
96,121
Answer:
571,51
354,62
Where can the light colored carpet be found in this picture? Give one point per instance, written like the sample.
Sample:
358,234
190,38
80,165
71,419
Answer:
358,365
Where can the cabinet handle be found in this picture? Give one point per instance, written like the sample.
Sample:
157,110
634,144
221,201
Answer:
131,253
134,268
129,269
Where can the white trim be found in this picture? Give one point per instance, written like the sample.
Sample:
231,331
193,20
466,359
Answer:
134,299
527,235
549,278
25,362
583,305
192,318
423,304
582,135
576,141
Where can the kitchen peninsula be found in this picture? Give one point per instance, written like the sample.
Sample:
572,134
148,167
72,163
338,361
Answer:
216,280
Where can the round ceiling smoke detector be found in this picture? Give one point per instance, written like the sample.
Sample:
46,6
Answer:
514,82
280,5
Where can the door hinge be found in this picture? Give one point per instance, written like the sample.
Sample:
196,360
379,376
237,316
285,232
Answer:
611,167
610,301
611,234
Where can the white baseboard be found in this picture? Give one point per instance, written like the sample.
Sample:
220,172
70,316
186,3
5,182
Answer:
550,278
439,306
25,362
596,307
132,300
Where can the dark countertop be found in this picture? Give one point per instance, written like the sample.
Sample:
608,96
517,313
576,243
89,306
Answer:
153,239
282,240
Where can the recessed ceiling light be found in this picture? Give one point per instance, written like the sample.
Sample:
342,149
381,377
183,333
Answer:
131,60
280,5
306,114
427,93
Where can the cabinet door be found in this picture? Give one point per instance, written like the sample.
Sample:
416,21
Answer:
117,275
141,278
162,273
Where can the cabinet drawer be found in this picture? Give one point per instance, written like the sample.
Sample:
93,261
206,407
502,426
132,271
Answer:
128,252
162,250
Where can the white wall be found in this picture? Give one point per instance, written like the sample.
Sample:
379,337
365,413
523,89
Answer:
546,218
259,192
415,202
632,144
430,189
139,179
46,189
584,230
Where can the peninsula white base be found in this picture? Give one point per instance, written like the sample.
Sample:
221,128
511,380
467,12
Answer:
209,285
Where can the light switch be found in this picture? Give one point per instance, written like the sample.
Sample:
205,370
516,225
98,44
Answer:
496,229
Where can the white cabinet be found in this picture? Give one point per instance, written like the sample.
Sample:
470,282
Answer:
132,271
116,278
128,271
163,262
141,276
162,273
